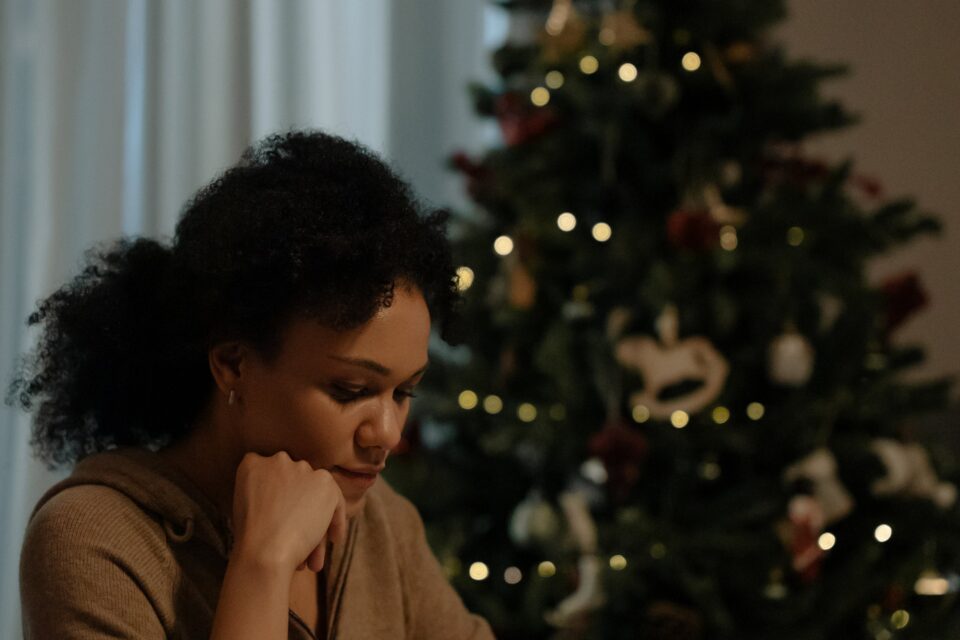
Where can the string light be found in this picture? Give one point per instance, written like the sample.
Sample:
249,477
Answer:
627,72
540,96
464,278
592,469
512,575
690,61
554,79
546,569
479,571
728,237
566,221
720,415
558,412
710,470
658,550
527,412
931,583
607,36
826,541
883,533
795,236
602,232
755,410
492,404
467,399
900,618
503,245
589,65
679,419
618,562
640,413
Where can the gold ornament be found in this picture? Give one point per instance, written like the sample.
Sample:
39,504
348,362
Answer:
620,31
564,33
522,288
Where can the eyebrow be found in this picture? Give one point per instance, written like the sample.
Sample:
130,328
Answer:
374,366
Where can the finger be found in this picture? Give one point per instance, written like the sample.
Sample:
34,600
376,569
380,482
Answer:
338,524
317,557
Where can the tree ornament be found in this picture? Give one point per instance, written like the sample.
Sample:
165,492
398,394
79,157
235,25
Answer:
620,31
671,362
589,593
819,468
831,307
790,359
522,288
564,33
903,296
693,229
800,533
740,52
519,120
534,521
910,473
621,448
720,211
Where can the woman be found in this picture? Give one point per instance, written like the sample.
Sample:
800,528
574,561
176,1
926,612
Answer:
231,400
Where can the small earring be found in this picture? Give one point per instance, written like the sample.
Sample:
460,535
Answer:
233,397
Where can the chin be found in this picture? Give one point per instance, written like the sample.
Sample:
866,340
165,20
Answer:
355,506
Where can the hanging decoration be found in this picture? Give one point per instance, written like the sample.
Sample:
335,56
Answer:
671,362
790,358
819,469
910,473
588,594
534,521
621,32
564,33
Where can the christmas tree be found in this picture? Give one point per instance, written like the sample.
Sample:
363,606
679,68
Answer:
677,409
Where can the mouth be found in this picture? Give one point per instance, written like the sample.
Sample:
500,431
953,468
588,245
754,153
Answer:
358,478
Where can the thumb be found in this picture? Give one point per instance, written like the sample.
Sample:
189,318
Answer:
318,556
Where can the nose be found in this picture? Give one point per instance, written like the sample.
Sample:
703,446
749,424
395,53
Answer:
383,427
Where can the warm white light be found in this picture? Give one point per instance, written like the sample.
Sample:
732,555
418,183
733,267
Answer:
467,399
721,415
728,238
618,562
883,533
540,96
755,410
566,221
679,419
710,470
628,72
492,404
691,61
795,236
931,583
558,412
503,245
826,541
554,79
479,571
658,550
900,618
464,278
589,64
607,36
640,413
512,575
546,569
527,412
602,232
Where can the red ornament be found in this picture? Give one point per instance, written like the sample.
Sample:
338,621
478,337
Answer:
520,121
694,230
870,187
621,448
477,174
903,295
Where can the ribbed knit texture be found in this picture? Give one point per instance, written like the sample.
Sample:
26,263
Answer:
128,548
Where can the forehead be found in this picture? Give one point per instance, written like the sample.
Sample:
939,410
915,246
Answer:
396,336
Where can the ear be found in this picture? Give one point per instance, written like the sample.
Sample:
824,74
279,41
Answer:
227,362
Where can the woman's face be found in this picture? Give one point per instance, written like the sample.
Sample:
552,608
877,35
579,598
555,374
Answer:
339,399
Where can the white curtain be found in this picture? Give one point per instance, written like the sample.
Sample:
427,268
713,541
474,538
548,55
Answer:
113,112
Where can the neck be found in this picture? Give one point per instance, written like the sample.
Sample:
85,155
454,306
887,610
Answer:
209,460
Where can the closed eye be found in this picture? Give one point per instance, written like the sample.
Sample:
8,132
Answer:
344,395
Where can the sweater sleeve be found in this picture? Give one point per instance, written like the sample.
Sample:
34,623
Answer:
81,569
436,610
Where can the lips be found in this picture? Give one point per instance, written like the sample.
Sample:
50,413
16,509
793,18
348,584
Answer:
358,478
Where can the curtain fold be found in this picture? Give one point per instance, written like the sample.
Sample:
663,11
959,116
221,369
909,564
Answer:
113,112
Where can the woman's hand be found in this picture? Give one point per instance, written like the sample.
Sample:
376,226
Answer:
283,512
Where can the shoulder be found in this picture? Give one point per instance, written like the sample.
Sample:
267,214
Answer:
90,520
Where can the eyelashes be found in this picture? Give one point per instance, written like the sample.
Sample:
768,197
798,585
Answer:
345,396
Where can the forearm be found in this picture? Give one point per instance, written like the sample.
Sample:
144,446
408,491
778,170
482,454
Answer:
254,602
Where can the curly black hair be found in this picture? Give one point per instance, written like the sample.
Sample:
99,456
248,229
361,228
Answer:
305,224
